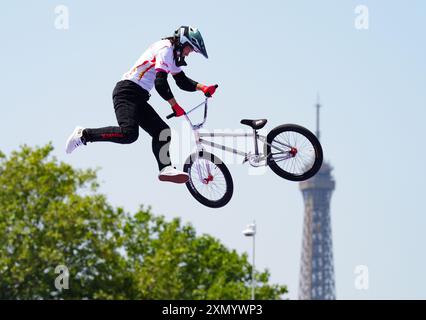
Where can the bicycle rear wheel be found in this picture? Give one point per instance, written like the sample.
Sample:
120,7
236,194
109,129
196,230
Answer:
210,181
293,152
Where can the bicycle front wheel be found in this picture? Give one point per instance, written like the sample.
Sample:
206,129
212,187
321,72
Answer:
293,152
210,181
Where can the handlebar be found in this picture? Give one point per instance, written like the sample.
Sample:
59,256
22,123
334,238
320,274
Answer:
207,96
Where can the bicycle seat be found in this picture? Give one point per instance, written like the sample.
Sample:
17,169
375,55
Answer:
255,124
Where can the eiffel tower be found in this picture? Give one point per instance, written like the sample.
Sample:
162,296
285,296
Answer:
316,279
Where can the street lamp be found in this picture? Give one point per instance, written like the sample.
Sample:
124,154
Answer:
250,231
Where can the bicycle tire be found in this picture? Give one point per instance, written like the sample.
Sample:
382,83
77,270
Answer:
295,129
191,184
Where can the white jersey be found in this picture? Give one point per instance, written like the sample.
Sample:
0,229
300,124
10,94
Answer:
159,56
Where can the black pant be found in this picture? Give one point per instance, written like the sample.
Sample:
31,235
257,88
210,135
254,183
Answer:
133,110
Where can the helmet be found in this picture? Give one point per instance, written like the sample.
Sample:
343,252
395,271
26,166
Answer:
190,35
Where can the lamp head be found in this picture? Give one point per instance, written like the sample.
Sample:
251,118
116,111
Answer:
250,231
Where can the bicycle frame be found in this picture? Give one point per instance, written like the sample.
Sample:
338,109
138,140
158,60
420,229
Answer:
200,135
210,181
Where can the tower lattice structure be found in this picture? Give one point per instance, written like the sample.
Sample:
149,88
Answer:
316,280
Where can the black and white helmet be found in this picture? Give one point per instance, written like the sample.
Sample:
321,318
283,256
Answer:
190,35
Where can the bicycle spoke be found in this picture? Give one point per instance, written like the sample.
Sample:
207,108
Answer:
211,189
296,164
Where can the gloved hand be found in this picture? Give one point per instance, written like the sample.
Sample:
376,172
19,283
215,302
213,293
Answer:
178,110
209,90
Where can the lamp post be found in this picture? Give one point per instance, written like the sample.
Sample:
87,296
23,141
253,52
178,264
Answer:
250,231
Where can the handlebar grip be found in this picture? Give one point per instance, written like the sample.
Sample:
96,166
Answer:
208,95
170,115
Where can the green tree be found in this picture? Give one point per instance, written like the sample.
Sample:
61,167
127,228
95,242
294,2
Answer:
51,214
45,222
175,263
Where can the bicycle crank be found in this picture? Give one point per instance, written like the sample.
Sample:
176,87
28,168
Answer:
255,160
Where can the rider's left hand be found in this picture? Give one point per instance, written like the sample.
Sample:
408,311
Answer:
209,90
177,109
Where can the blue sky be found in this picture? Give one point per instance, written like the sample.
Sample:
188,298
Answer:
270,59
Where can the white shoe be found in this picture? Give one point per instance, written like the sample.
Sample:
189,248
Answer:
172,175
75,140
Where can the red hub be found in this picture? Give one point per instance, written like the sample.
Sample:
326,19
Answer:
293,152
208,179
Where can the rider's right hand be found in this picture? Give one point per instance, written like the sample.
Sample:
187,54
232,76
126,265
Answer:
178,110
209,90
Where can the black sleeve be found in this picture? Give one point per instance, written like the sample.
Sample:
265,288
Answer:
162,86
183,82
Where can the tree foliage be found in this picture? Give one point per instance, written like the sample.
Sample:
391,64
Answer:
51,214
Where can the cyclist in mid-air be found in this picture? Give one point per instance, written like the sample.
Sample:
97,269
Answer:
131,95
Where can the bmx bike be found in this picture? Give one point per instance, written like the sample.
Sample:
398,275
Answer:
291,151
